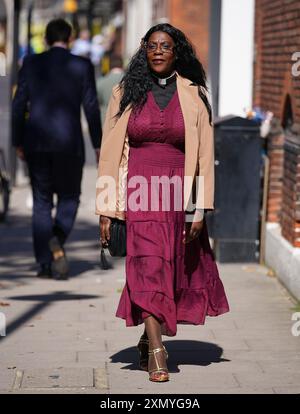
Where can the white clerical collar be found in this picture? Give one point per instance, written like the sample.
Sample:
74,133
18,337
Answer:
164,81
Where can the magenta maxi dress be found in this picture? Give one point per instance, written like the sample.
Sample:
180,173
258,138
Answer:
176,283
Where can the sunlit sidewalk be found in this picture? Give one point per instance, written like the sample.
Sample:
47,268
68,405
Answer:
63,337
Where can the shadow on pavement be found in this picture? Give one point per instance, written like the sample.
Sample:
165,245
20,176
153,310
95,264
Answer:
16,249
43,302
181,352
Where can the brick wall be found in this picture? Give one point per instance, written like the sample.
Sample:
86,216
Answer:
275,150
192,17
277,37
290,214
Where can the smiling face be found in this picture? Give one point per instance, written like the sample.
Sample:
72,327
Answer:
160,54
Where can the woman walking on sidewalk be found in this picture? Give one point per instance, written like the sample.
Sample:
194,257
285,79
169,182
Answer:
158,124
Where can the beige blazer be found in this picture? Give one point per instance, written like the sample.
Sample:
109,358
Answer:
199,153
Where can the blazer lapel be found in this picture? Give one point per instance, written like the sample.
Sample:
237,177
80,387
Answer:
115,141
189,109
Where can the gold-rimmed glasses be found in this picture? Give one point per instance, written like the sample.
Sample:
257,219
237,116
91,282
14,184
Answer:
152,47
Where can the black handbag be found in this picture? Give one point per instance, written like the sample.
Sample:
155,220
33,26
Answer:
116,244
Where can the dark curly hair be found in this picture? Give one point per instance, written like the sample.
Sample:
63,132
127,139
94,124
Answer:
137,79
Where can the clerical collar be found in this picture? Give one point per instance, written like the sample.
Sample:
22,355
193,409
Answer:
164,81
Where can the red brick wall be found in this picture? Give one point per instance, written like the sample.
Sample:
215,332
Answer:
276,170
277,37
192,17
290,215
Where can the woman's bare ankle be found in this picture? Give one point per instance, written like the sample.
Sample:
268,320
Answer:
155,343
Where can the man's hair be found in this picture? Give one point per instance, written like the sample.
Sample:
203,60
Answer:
58,30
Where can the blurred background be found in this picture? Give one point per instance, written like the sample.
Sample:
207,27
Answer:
250,50
63,336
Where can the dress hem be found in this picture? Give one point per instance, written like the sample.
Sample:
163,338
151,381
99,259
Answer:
134,307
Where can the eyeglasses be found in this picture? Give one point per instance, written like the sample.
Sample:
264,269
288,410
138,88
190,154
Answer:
153,47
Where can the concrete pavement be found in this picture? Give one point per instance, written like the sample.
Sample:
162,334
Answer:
63,337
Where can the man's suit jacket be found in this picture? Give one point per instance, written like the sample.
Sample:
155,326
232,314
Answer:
52,86
199,154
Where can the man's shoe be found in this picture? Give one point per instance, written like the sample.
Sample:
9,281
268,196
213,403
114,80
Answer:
62,277
45,271
60,263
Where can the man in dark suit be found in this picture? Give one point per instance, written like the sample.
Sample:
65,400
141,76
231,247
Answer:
47,134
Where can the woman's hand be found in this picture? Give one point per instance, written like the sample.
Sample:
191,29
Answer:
104,223
192,231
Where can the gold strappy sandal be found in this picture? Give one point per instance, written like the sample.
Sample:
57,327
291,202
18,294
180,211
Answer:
159,374
143,348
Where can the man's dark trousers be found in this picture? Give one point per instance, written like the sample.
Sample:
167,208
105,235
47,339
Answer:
51,173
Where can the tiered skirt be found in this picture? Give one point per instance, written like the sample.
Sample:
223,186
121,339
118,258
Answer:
175,282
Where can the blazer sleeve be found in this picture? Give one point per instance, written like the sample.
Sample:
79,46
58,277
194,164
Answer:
206,162
19,106
109,122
